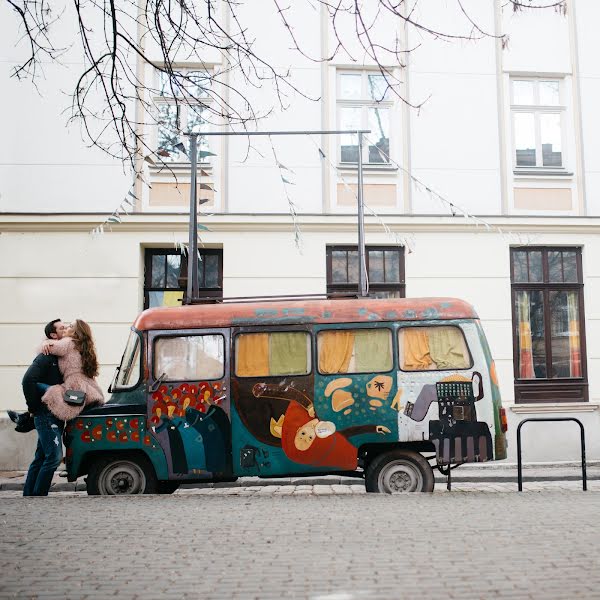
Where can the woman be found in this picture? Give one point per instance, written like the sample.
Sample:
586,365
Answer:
79,367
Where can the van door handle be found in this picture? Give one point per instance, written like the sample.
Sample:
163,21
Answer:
157,383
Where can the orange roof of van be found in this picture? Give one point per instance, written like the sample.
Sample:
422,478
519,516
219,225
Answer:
354,310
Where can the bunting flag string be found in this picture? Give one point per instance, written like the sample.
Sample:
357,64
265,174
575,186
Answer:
126,205
286,181
454,208
406,241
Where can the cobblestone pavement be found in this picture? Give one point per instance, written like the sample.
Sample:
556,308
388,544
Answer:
321,542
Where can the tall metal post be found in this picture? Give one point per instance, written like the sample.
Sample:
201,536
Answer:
362,275
192,279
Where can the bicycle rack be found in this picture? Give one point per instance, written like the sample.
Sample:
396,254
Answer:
519,459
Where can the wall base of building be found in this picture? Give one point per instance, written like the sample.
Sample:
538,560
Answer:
16,449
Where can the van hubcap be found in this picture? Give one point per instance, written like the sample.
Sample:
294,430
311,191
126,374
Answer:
123,477
400,477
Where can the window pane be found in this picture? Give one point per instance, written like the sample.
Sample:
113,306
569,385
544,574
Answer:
566,351
350,87
525,139
520,273
197,122
378,87
531,343
376,274
198,83
353,266
211,267
165,298
129,370
173,270
158,271
355,351
570,267
536,273
168,133
551,139
338,266
168,87
439,348
189,358
549,93
555,267
349,119
523,92
272,354
385,294
392,266
379,124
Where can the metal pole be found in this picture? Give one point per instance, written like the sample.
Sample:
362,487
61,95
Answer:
362,275
192,279
519,459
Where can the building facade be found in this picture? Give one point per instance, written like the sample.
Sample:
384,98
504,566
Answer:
490,192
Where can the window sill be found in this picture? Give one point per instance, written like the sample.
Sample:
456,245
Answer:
367,168
541,173
178,167
553,407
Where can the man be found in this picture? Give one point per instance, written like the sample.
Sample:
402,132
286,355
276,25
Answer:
48,454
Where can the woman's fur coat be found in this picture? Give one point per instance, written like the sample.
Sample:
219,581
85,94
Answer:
70,365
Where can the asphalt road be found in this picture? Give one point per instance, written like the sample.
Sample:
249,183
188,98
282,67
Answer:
327,544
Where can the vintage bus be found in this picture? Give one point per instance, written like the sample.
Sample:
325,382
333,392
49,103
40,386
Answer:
382,389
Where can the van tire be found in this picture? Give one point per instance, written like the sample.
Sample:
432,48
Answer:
399,471
121,475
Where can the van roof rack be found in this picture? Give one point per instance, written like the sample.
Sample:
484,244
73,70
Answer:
215,300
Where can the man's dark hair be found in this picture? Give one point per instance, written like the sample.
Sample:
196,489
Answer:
50,328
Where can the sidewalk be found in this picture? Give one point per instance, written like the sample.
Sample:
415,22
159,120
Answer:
500,472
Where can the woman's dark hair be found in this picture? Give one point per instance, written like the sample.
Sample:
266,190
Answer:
82,337
50,328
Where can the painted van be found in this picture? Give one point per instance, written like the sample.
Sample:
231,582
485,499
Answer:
376,389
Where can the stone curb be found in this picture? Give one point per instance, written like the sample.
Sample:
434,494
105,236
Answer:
79,486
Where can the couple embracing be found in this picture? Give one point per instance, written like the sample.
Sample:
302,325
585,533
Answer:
58,385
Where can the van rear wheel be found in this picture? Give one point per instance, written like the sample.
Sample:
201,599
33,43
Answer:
121,475
398,472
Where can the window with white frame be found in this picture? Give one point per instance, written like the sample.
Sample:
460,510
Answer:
364,102
182,105
538,121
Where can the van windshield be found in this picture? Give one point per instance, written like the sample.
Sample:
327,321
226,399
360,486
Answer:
128,373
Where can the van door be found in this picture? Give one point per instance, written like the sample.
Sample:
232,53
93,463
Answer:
272,392
188,401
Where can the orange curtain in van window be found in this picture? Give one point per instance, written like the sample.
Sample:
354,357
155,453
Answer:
415,348
252,355
335,351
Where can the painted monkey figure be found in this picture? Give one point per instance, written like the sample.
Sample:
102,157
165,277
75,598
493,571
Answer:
306,439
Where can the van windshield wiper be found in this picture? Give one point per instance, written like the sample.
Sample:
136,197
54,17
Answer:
157,382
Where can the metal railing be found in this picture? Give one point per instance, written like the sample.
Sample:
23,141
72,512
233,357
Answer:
520,461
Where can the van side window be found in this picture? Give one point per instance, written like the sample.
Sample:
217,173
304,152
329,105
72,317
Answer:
271,354
436,348
355,351
190,358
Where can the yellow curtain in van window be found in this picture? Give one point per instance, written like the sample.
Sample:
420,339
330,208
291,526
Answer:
252,350
335,351
446,348
288,354
415,349
372,350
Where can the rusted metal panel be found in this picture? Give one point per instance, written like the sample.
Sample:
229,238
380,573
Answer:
304,311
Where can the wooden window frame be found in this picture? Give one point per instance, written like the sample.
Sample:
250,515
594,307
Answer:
208,292
349,289
558,389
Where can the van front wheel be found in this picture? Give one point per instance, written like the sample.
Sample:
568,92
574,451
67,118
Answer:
112,476
399,471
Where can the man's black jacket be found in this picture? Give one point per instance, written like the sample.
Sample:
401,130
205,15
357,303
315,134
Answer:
44,369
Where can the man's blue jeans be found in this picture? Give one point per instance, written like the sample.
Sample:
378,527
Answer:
48,454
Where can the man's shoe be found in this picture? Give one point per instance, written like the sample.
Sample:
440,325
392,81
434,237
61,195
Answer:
25,424
13,415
